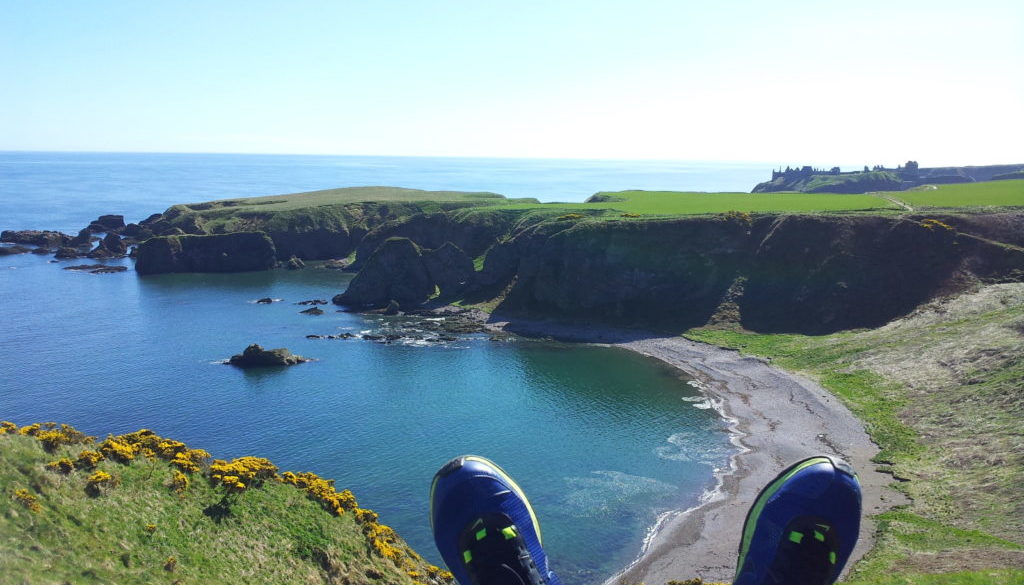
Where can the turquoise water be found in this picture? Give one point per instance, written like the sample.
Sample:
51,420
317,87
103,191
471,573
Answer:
602,440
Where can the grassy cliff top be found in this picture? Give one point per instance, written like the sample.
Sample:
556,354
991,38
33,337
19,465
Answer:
349,195
139,508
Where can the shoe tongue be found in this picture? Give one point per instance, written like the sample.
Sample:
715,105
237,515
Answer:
494,553
806,554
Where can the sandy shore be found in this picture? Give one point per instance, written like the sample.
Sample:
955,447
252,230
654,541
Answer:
776,418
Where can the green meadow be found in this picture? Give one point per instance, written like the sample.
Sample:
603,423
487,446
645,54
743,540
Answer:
987,194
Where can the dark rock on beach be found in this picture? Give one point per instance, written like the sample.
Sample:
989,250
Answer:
44,238
255,356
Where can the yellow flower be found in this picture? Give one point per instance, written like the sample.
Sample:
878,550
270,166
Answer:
26,499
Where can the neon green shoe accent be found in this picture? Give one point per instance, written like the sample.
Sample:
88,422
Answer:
515,488
819,536
796,537
481,534
467,556
766,494
509,532
832,557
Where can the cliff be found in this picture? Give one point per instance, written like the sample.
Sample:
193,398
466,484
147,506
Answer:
795,273
235,252
318,225
139,508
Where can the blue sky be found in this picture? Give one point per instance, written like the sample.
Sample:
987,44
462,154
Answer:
823,82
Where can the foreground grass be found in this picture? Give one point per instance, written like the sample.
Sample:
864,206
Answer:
134,522
940,392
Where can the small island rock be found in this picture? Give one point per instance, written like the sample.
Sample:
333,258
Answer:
255,356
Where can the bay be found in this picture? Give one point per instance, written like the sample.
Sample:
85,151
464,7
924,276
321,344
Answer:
602,440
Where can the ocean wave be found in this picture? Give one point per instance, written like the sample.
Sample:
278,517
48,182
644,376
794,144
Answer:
605,492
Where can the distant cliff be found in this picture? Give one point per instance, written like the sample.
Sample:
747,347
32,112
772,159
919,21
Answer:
808,274
811,180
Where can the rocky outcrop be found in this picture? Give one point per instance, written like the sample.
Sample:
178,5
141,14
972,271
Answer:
12,250
395,271
255,356
111,246
403,272
294,263
41,238
236,252
109,223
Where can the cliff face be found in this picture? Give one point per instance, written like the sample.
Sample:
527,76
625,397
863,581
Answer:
237,252
808,274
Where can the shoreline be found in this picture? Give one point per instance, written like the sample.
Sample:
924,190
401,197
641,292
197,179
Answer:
774,418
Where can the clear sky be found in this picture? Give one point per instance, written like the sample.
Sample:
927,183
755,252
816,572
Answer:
861,82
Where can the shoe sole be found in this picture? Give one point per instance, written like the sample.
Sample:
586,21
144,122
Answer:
456,464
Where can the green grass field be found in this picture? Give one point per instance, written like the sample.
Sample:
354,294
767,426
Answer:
988,194
674,203
350,195
611,205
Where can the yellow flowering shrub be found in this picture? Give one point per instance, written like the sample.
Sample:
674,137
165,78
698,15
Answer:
170,564
150,528
30,502
8,427
321,490
52,436
99,481
179,482
935,225
88,459
63,465
191,460
242,472
118,449
29,430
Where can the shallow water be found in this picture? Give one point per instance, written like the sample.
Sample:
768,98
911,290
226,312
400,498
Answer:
602,440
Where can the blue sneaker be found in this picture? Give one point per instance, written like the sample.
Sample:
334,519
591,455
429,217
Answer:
802,526
484,527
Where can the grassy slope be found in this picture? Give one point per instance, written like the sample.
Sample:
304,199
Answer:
940,392
273,533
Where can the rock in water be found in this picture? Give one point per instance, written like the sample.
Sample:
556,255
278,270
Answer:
313,311
44,239
396,271
255,356
234,252
295,263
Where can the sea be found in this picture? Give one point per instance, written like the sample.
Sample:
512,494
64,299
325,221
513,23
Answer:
603,441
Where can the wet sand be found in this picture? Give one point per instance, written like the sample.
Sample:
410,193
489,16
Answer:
776,418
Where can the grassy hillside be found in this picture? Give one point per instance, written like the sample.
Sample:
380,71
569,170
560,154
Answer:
992,193
940,392
139,508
